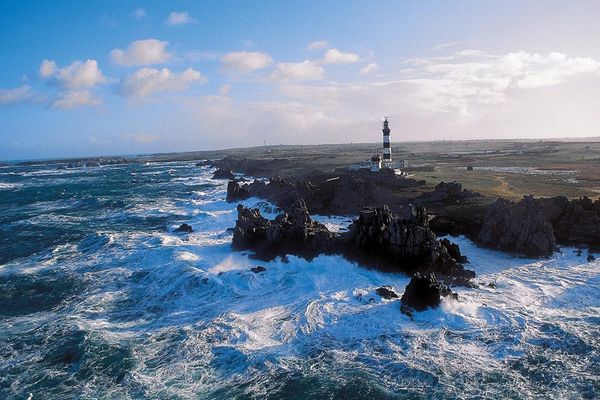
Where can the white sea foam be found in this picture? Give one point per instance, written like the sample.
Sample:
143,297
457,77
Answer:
10,185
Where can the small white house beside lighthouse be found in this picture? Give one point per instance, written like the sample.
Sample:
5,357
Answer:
379,161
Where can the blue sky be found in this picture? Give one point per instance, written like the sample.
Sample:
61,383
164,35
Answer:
119,77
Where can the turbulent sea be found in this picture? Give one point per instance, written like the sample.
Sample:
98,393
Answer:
99,298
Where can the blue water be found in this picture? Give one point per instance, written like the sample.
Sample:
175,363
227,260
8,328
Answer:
99,298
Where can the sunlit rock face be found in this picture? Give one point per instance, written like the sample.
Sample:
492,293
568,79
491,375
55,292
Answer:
517,227
292,232
404,242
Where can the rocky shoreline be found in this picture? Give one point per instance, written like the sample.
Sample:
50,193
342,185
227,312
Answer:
396,233
529,227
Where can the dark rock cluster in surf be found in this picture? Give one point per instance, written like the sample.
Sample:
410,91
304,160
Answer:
377,238
292,232
424,291
223,174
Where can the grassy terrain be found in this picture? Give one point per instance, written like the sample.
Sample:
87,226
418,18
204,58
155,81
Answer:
504,168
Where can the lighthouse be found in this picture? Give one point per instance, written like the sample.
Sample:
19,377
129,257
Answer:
387,150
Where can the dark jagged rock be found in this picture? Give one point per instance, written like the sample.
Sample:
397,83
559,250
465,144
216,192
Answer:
203,163
258,269
517,227
184,228
454,251
573,221
292,232
254,167
346,193
444,226
386,292
223,174
590,257
424,291
402,243
235,192
285,194
250,229
351,192
447,191
399,243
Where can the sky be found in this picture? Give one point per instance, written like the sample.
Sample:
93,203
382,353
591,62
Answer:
94,78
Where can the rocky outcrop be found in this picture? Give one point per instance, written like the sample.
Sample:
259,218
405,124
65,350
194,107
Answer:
424,291
386,292
517,227
454,251
573,221
292,232
237,192
258,269
447,191
184,228
402,243
253,167
351,192
223,174
346,193
283,193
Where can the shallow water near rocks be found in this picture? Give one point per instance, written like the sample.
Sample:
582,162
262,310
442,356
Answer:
99,298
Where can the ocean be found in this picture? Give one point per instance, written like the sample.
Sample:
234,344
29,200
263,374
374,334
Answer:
101,299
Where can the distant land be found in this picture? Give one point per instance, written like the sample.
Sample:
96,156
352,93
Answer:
505,168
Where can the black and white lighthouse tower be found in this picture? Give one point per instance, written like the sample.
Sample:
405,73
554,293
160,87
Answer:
387,150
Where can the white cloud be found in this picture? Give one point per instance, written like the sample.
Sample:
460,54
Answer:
367,69
77,80
142,52
139,13
18,95
47,68
77,75
544,70
179,18
452,94
147,81
334,56
319,44
76,98
299,71
244,61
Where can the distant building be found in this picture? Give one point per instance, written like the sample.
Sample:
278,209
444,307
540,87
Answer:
375,163
387,161
378,162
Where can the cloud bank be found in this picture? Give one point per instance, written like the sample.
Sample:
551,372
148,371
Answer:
147,81
142,52
244,61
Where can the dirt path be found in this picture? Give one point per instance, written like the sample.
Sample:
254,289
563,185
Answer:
502,190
